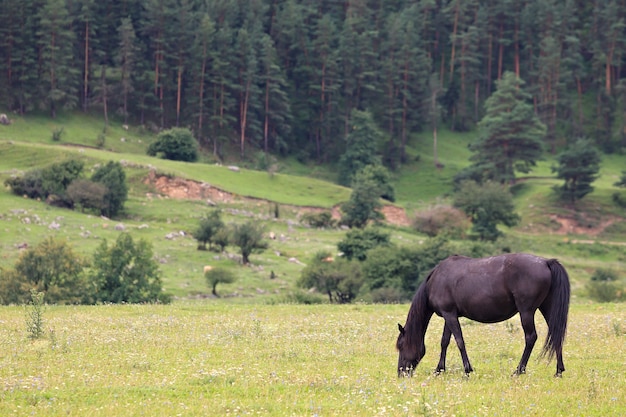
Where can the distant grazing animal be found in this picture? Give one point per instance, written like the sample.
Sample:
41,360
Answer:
488,290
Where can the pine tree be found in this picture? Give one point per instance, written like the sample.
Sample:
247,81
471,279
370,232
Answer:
126,56
59,78
578,166
510,133
276,109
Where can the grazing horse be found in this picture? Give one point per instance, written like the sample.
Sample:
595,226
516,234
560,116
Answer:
488,290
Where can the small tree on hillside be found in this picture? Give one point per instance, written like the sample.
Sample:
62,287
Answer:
208,228
113,177
340,279
361,147
487,206
216,276
52,267
248,237
578,166
364,203
510,135
126,273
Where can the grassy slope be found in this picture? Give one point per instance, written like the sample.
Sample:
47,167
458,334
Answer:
418,185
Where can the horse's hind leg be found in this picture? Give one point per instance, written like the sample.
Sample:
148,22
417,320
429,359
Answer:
530,336
445,341
453,325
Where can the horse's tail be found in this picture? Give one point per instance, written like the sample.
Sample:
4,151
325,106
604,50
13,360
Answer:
556,310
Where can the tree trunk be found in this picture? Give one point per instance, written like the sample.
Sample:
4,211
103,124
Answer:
86,77
104,96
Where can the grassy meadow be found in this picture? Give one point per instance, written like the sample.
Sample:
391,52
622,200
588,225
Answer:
252,351
197,358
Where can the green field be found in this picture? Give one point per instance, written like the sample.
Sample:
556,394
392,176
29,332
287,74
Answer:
253,352
197,358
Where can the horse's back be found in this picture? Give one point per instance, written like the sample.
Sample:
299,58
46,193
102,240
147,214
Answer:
489,289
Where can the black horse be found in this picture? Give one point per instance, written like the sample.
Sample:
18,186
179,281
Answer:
488,290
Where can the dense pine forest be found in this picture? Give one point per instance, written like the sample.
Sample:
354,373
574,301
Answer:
284,76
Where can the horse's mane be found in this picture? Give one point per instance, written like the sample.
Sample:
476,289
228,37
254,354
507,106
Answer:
418,316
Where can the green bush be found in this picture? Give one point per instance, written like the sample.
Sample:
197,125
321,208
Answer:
112,176
177,144
51,267
339,279
321,220
51,180
57,133
88,195
604,286
207,230
126,273
605,291
357,242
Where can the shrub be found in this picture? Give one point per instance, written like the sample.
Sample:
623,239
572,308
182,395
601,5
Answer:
52,267
13,288
357,242
605,291
603,274
112,176
57,133
177,144
441,220
487,205
87,194
401,268
387,295
340,279
603,286
52,180
30,185
126,272
321,220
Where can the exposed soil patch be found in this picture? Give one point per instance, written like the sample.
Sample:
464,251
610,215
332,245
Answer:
571,226
180,188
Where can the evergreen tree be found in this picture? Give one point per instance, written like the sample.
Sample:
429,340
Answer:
578,166
509,134
59,77
126,56
361,147
276,108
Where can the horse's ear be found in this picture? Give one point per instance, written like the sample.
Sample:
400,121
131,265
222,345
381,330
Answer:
401,329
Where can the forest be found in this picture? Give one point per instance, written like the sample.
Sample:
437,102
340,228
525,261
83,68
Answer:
284,76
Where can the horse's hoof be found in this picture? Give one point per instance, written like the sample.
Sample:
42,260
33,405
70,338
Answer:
558,375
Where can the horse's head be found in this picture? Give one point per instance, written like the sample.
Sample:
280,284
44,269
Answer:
410,354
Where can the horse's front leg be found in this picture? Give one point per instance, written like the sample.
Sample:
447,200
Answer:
445,341
452,323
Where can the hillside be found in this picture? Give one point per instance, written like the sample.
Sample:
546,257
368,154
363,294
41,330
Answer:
167,198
